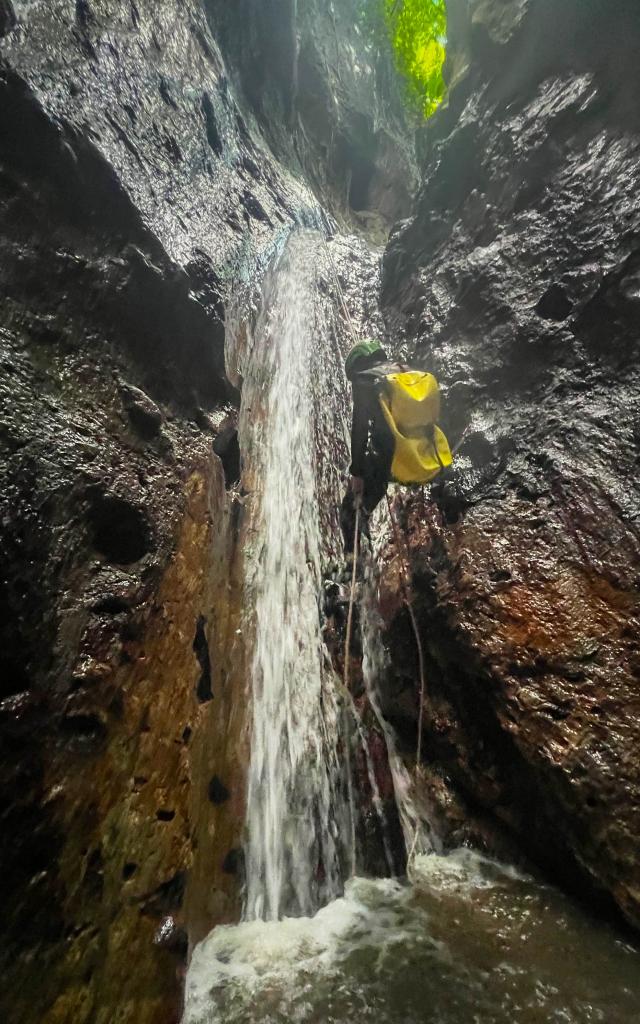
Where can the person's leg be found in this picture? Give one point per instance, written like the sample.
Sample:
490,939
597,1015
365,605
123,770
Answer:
377,475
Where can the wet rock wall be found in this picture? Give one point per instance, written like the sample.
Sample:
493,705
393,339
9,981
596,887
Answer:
327,98
134,188
112,393
515,281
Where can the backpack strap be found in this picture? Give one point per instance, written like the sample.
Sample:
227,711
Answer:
378,374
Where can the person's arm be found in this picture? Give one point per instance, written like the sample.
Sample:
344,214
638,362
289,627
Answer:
359,430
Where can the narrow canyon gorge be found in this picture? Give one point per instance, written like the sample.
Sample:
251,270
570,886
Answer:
202,205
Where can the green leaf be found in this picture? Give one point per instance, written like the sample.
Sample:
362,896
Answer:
417,30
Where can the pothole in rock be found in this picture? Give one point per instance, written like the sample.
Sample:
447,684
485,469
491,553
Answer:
14,678
201,649
121,531
227,448
84,732
555,304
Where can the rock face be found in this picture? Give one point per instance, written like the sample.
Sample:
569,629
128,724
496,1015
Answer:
133,187
328,102
517,281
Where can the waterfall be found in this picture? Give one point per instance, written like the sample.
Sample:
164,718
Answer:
296,810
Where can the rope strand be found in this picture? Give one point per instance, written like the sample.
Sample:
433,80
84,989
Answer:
347,653
406,570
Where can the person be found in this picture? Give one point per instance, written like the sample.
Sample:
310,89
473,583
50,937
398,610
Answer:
394,427
372,442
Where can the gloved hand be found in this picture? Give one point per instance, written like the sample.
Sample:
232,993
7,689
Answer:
357,486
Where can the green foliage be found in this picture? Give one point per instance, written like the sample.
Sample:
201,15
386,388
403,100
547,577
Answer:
418,33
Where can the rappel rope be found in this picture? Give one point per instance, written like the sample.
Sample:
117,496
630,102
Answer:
347,661
404,570
356,537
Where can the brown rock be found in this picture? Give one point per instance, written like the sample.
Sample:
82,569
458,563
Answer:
532,681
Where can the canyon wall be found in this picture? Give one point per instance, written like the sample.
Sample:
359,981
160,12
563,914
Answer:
136,184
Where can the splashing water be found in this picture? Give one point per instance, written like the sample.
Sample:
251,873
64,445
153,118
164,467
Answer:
296,813
472,941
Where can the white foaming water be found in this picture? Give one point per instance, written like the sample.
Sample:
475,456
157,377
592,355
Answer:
261,967
263,964
471,940
295,811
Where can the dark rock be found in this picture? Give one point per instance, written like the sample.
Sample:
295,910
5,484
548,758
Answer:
111,604
7,17
121,531
165,815
144,414
84,732
165,92
167,898
554,304
173,938
201,649
227,449
84,13
213,135
255,208
217,791
233,863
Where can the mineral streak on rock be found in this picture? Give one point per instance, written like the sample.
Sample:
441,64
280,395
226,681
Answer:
515,282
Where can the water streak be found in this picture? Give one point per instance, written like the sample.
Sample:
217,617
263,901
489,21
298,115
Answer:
296,810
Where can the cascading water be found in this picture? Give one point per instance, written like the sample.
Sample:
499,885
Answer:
295,811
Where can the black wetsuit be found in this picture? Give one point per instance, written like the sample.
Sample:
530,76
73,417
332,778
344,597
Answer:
372,446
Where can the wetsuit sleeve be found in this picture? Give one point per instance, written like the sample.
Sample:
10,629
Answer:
359,429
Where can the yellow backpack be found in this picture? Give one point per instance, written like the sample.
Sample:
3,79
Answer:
411,406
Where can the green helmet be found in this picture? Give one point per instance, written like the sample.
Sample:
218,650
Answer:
362,350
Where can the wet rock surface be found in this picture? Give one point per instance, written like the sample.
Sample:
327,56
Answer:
151,152
515,282
135,185
328,100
